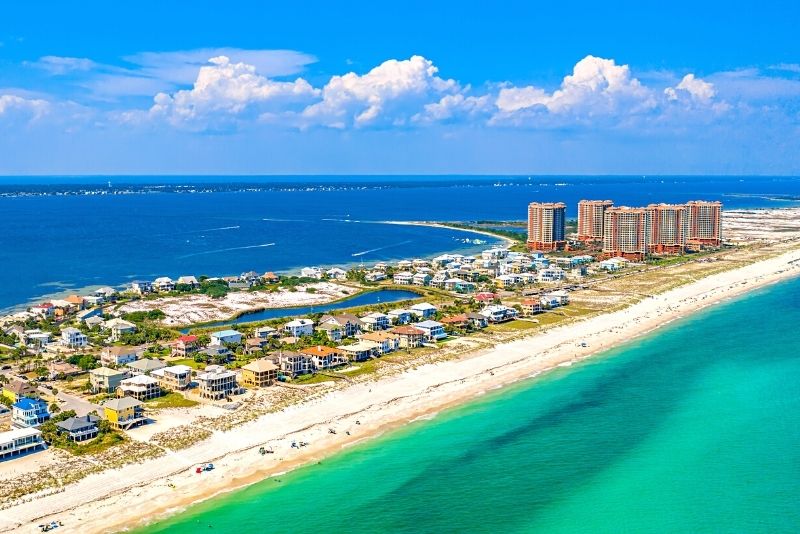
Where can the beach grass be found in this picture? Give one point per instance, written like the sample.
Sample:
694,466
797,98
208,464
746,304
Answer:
170,400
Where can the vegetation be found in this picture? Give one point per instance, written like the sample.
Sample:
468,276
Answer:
170,400
106,437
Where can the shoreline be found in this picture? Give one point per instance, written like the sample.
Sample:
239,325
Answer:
166,485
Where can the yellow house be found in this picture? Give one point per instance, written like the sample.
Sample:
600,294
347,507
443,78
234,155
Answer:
124,413
259,373
16,389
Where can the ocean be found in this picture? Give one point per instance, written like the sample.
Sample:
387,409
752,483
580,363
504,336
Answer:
64,234
694,428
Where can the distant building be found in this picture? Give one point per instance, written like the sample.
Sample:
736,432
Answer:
73,338
626,233
119,355
704,224
547,225
164,284
591,217
105,380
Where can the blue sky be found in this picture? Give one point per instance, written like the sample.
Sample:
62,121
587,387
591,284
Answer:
407,87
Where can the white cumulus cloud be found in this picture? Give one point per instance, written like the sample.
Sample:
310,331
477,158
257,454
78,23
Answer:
13,105
695,88
227,89
597,86
392,93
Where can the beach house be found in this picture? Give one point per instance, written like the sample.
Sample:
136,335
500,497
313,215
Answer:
400,316
459,286
551,274
562,296
174,377
79,429
333,331
403,278
259,374
295,363
163,284
88,314
455,321
498,313
140,387
185,346
387,341
187,280
145,366
311,272
43,310
124,413
336,274
299,328
216,383
29,412
73,338
323,357
421,279
36,339
357,352
477,320
216,353
141,287
531,306
351,324
376,321
118,328
119,355
265,332
226,336
433,330
19,441
16,389
423,310
105,380
410,337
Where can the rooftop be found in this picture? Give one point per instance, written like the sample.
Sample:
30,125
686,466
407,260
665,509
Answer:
121,404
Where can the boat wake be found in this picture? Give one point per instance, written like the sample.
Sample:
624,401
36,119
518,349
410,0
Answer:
356,254
226,250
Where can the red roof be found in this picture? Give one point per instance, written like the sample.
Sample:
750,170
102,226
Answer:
485,296
530,302
407,330
455,319
188,339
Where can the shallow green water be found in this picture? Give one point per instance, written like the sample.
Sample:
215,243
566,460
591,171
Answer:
693,429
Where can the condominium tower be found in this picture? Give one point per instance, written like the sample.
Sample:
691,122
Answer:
625,232
590,219
666,228
704,224
546,226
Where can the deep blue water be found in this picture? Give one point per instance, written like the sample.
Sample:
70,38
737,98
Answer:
362,299
57,243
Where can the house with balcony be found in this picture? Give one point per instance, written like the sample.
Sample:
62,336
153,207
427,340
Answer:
410,337
223,337
163,284
259,374
118,328
141,287
323,357
358,352
120,355
333,331
29,412
105,380
174,377
499,313
299,328
403,278
216,383
421,279
350,324
73,338
79,429
140,387
124,413
185,346
531,306
423,310
400,316
433,330
295,363
387,341
145,366
375,321
16,389
265,332
477,320
187,280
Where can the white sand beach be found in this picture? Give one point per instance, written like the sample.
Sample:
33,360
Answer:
116,499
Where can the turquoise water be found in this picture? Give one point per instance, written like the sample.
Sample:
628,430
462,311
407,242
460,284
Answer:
693,429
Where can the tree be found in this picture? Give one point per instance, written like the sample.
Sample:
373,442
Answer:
54,407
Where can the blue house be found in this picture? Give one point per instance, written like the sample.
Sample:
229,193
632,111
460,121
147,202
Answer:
29,412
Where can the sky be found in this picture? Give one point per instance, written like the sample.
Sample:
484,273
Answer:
411,87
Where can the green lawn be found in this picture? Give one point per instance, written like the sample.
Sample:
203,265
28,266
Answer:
170,400
189,362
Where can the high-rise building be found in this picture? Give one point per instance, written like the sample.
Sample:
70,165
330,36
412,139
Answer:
590,219
547,225
704,224
667,228
625,232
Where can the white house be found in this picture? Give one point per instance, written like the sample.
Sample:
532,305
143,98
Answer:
73,338
187,281
551,274
375,321
562,297
433,330
423,310
497,313
226,336
311,272
299,327
403,278
422,279
163,283
20,441
336,273
119,327
374,276
141,286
